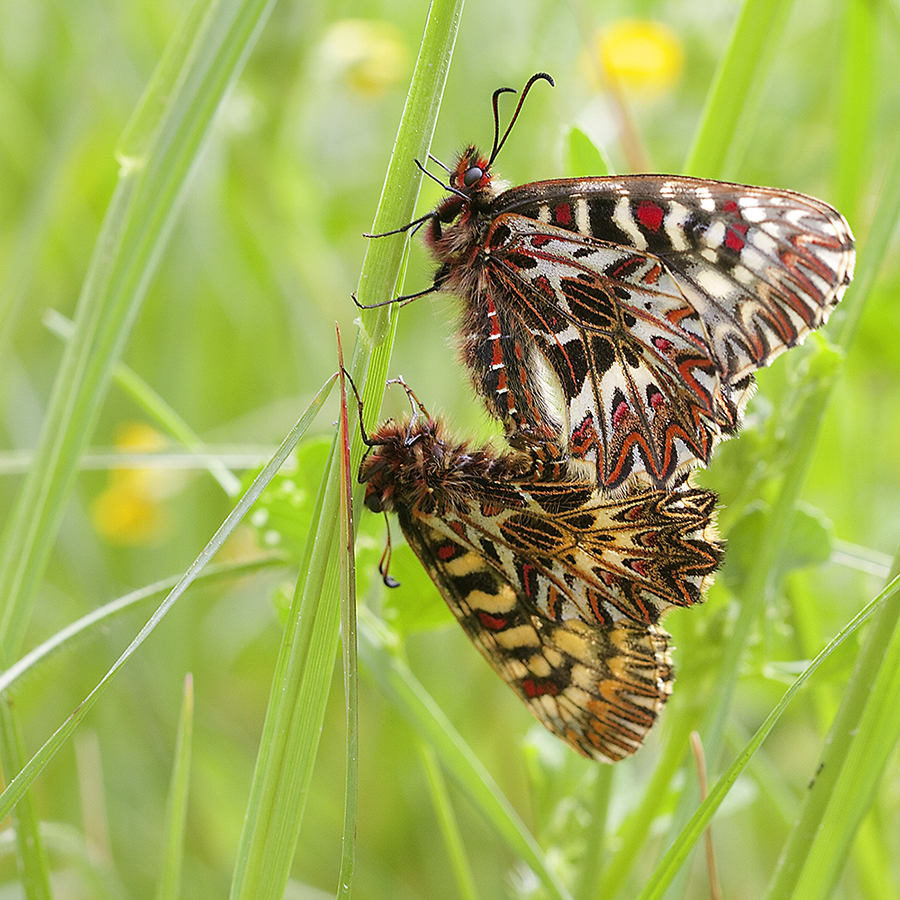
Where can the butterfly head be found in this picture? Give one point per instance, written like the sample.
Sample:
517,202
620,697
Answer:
396,472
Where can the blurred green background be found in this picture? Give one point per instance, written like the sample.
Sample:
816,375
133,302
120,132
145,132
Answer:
237,334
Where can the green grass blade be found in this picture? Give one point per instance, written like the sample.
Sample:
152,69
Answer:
865,732
106,613
26,775
440,797
676,855
399,684
169,885
816,804
157,155
741,71
856,105
34,868
296,709
348,632
158,409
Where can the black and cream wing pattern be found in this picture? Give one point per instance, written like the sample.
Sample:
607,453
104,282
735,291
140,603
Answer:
560,589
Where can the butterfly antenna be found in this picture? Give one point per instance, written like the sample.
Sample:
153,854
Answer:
495,103
384,563
498,143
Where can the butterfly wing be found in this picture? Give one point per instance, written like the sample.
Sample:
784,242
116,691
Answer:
573,553
653,299
599,688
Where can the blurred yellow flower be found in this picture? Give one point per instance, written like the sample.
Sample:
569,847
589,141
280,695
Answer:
642,56
129,510
369,56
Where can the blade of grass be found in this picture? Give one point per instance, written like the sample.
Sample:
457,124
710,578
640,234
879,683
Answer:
103,614
798,845
27,773
296,708
161,145
738,79
440,797
169,887
671,863
399,684
348,632
158,409
33,865
157,153
856,105
864,734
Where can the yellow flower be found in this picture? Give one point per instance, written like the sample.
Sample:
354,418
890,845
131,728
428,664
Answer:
642,56
369,56
129,510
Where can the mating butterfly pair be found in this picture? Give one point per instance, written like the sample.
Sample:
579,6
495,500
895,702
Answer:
613,325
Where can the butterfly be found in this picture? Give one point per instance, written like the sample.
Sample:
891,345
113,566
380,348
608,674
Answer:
559,587
623,317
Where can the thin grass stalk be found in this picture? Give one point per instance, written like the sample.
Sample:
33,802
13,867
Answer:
169,882
410,698
106,613
440,798
673,861
793,863
32,860
200,65
26,774
296,708
348,632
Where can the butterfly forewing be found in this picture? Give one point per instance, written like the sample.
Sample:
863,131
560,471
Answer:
651,298
558,587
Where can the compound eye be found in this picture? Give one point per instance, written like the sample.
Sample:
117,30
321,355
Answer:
473,176
373,500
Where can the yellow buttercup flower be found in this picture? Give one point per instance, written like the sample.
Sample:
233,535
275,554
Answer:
641,56
369,56
129,510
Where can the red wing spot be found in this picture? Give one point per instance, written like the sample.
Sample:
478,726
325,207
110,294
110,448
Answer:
650,215
492,623
730,207
620,413
662,344
653,276
535,688
447,552
733,242
637,512
562,213
584,437
657,400
540,240
638,566
542,283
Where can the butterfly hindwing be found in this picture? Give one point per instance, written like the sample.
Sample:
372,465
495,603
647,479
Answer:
559,587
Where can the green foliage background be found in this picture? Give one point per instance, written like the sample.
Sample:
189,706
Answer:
237,335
